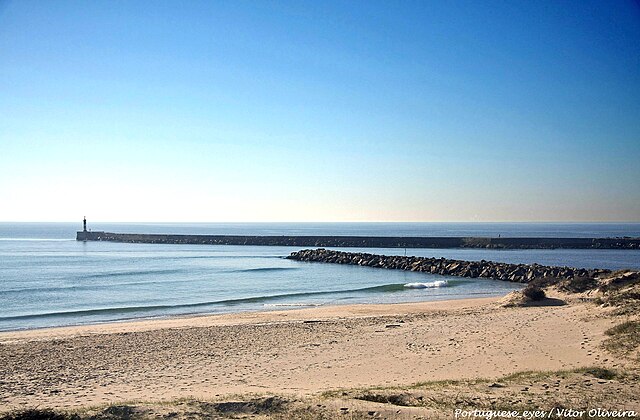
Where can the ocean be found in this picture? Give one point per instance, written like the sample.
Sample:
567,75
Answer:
48,279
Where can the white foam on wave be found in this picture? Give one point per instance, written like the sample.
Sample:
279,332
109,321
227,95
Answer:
292,304
428,285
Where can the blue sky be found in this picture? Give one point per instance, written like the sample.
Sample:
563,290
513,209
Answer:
320,111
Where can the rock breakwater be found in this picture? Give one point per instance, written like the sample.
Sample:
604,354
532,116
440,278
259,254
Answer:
366,241
519,273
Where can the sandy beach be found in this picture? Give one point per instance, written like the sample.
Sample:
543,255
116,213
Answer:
276,210
298,353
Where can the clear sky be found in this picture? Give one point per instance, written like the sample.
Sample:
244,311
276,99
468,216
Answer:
320,110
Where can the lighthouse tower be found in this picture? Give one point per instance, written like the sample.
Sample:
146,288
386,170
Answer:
86,235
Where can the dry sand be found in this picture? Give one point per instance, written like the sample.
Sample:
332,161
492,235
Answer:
295,352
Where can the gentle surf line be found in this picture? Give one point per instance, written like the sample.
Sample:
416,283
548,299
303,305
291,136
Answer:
395,287
129,273
101,286
254,270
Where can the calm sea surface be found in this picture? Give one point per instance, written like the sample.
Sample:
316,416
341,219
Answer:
49,279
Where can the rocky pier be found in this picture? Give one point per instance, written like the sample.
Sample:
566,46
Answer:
519,273
366,241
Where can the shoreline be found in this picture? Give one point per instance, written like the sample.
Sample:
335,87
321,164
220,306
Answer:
266,308
239,318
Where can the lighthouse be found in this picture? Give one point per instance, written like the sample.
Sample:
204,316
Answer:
86,235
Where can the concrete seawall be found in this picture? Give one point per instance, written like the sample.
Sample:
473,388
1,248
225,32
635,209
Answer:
519,273
367,241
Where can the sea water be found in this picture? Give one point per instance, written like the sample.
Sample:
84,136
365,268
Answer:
47,278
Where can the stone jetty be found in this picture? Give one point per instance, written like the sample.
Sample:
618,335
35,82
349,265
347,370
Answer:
519,273
366,241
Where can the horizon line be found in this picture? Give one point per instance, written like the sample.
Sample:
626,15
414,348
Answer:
339,222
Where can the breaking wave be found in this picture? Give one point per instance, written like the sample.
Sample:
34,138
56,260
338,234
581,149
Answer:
428,285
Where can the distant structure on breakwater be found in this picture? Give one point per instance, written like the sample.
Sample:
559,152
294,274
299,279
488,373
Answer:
366,241
519,273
